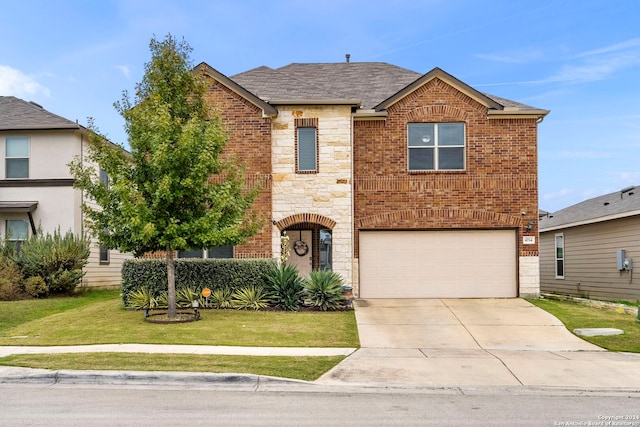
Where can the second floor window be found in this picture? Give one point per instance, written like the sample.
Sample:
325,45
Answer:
436,146
307,150
306,144
17,157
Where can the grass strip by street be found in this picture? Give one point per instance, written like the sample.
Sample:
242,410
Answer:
301,368
575,315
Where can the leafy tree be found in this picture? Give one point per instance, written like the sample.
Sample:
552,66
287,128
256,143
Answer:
174,190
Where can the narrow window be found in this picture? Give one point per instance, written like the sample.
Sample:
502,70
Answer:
17,231
307,150
104,254
17,157
559,256
104,178
436,146
306,145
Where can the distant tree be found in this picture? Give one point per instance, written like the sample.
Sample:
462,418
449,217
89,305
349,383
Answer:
174,190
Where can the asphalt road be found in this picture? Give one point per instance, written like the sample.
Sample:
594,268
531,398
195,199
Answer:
68,405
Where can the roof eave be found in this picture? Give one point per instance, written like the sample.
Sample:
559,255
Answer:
267,110
591,221
20,128
352,102
508,113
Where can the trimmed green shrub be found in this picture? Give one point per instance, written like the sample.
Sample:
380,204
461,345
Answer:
56,258
324,290
194,273
36,287
250,297
10,278
285,286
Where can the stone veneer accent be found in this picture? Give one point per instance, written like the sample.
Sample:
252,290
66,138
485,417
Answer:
324,197
529,267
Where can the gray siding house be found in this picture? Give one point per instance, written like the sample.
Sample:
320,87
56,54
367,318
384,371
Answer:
589,249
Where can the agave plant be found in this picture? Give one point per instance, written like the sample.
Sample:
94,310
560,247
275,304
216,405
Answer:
139,299
285,286
324,290
221,298
160,301
185,296
250,297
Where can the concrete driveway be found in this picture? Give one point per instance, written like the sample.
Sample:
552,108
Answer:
476,342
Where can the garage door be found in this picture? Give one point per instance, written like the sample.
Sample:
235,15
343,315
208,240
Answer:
438,264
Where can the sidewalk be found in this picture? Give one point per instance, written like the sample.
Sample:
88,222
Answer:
178,349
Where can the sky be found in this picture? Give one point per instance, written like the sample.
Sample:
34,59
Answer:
578,58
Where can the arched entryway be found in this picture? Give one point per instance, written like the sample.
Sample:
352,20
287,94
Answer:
310,241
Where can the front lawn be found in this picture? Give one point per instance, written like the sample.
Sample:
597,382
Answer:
575,315
97,317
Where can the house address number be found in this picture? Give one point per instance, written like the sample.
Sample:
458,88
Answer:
528,240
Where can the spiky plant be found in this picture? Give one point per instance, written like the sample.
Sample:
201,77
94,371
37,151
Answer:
323,289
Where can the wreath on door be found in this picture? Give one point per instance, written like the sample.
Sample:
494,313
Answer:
300,247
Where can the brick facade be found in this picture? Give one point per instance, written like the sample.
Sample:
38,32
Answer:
498,184
250,140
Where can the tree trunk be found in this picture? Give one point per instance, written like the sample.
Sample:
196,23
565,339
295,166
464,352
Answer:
171,280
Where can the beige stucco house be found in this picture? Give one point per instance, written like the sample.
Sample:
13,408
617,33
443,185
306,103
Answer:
36,187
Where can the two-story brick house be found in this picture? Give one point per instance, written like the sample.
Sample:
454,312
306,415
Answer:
36,187
408,185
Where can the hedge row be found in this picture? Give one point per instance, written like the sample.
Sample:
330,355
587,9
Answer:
194,273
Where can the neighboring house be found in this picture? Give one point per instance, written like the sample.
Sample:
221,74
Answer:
36,187
581,248
408,185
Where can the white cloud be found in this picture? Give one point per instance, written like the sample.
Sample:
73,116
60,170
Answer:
632,43
126,70
522,56
558,194
15,82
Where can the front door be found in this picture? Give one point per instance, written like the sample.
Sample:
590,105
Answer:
301,254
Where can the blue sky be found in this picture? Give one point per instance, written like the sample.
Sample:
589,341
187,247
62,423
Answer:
578,58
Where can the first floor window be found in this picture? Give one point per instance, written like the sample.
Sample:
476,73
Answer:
559,256
436,146
213,252
104,254
17,231
17,157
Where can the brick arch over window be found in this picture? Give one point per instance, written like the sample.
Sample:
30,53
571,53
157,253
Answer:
436,218
305,218
436,113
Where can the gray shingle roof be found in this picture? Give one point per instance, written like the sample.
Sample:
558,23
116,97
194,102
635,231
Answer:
17,114
368,82
613,205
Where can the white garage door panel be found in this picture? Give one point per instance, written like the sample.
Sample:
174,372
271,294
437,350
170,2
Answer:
438,264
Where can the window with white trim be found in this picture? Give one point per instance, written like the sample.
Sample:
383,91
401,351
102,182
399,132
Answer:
16,232
560,256
436,146
17,157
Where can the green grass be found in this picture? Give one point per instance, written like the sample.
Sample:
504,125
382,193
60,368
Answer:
14,313
302,368
575,315
97,317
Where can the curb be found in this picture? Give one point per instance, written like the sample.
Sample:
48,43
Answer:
257,383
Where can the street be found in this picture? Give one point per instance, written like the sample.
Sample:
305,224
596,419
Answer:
69,405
